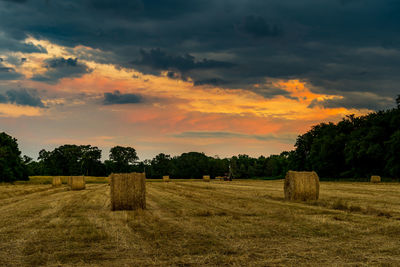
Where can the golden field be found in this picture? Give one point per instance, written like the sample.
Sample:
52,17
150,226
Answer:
192,223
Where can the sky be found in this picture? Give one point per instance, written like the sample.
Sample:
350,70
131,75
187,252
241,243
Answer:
222,77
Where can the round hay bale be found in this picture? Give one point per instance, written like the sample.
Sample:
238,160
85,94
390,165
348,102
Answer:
128,191
165,178
77,182
56,181
375,179
206,178
301,186
64,179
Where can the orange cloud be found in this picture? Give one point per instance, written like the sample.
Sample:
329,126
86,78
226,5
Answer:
10,110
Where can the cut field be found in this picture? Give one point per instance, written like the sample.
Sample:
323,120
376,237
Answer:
196,223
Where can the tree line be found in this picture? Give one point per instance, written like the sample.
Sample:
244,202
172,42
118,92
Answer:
355,147
86,160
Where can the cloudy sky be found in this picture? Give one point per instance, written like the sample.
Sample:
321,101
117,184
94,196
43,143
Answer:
221,77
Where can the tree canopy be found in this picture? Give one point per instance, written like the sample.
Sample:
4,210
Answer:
69,160
12,167
354,147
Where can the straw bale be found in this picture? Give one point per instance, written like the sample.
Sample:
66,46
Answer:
77,182
375,179
165,178
57,181
301,186
206,178
128,191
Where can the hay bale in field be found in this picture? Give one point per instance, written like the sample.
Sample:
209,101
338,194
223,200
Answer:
206,178
375,179
77,182
219,178
165,178
69,180
56,181
301,186
64,179
128,191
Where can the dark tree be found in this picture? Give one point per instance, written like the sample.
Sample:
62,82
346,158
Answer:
191,165
356,147
90,161
12,167
69,160
123,158
160,165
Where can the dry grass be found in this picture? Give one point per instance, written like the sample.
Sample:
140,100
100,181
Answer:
64,179
190,223
301,186
128,191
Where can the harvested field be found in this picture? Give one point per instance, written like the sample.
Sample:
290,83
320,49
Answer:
196,223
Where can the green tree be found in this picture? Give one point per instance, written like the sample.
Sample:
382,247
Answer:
356,147
191,165
393,156
70,160
12,167
123,158
160,165
90,161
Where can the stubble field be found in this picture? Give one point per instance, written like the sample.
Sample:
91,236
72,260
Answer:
192,223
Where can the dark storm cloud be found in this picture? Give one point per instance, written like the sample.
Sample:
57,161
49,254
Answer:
270,92
3,99
15,1
58,68
7,73
156,59
345,2
356,100
338,46
9,43
22,97
257,27
210,81
117,98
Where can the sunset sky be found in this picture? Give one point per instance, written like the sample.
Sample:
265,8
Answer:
223,77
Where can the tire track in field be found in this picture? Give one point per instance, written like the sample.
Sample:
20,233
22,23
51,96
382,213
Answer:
10,202
23,221
12,191
71,227
156,236
20,220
